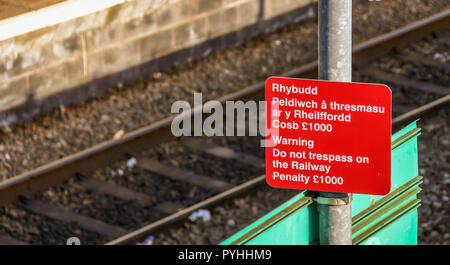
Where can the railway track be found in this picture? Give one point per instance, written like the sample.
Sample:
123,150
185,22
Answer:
79,170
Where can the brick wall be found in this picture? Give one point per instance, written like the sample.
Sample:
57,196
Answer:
69,53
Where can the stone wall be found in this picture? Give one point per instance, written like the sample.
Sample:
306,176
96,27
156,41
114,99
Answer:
89,45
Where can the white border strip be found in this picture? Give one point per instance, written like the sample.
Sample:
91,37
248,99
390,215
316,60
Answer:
51,15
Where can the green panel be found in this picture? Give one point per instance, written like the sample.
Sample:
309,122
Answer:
378,220
394,221
404,130
287,224
404,166
290,231
401,232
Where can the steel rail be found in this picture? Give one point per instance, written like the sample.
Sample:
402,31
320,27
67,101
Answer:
414,113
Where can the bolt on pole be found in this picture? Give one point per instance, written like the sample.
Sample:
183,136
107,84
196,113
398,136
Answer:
335,64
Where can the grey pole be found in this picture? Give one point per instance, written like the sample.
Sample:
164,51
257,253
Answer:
335,64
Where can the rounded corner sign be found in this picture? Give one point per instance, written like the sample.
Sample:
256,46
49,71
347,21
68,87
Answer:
328,136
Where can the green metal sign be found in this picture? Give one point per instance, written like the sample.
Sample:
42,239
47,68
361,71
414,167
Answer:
377,220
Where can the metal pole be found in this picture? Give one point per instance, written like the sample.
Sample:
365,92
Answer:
335,63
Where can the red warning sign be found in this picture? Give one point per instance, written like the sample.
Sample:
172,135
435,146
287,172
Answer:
328,136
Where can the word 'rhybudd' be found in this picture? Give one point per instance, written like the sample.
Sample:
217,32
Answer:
294,89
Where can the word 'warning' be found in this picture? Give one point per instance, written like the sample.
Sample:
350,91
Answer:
328,136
